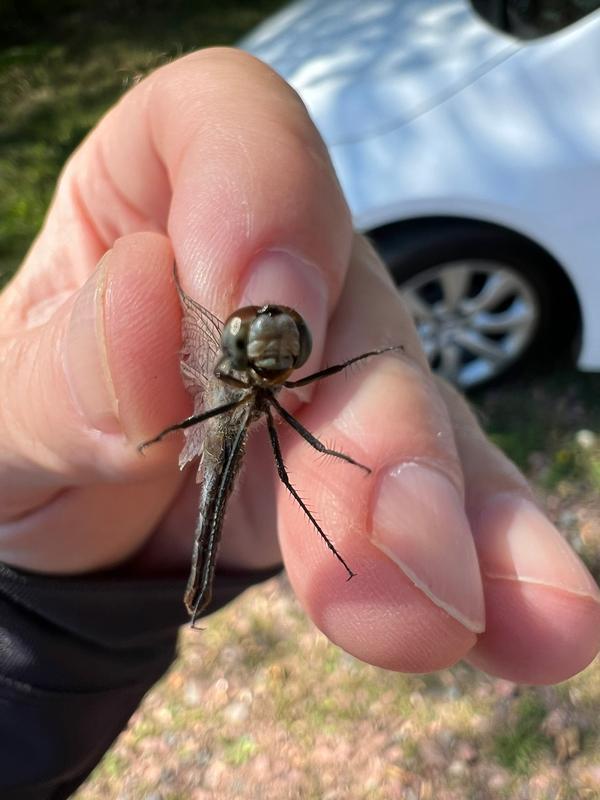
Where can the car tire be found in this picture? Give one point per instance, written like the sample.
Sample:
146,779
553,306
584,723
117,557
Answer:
470,344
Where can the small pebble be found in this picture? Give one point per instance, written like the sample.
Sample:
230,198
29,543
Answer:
213,774
236,712
585,439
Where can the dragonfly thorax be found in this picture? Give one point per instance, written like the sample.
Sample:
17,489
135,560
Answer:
270,340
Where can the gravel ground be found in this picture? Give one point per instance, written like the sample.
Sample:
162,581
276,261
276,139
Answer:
261,705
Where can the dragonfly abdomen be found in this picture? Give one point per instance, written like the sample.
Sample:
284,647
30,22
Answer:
219,477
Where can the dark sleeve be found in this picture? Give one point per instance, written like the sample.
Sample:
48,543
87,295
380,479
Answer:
76,657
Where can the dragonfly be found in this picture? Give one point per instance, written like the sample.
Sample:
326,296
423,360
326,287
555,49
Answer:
234,371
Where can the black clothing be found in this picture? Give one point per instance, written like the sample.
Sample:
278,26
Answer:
76,657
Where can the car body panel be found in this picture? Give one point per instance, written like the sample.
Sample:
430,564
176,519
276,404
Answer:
449,117
364,68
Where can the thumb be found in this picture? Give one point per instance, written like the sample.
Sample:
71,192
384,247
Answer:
94,380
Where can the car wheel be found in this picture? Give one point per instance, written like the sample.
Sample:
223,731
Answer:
482,298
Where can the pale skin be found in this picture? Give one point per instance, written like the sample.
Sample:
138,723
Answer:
213,161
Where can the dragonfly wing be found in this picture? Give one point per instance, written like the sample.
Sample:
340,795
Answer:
194,442
201,345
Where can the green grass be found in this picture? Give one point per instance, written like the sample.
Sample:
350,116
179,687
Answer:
540,433
520,745
239,751
60,72
573,463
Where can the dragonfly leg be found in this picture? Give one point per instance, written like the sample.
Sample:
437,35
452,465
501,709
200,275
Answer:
195,420
325,373
287,483
312,440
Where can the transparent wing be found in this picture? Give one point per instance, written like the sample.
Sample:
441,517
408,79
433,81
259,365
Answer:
201,344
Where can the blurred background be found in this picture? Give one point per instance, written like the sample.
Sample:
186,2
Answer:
260,704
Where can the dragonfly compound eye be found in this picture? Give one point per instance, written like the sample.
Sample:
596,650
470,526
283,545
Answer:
234,337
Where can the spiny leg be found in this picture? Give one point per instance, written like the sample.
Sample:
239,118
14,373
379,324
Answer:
308,436
286,482
325,373
187,423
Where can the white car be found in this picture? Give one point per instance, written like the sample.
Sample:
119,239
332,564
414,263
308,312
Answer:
471,157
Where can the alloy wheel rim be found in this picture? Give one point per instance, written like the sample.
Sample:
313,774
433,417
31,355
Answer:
475,318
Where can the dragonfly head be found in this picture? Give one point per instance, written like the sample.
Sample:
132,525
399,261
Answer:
270,340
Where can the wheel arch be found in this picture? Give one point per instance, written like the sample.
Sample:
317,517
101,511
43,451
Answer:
387,239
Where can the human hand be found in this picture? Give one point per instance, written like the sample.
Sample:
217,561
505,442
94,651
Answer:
217,153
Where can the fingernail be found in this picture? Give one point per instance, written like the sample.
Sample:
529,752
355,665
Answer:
419,522
516,541
86,361
284,278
